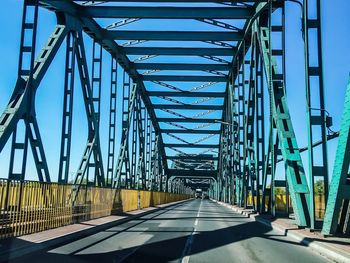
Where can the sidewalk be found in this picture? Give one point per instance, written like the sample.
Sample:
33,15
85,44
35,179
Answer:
334,248
19,246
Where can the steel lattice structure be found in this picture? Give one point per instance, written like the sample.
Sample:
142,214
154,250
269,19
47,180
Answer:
166,127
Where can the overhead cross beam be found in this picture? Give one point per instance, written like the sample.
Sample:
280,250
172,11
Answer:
173,35
179,51
191,145
187,107
190,120
184,78
186,94
192,173
193,158
191,131
173,1
161,12
182,66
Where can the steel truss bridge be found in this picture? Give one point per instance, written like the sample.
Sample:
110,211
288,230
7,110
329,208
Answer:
217,135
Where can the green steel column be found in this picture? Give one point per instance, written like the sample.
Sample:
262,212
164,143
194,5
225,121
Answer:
337,209
314,86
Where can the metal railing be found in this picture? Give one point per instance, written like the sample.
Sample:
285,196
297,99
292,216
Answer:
28,206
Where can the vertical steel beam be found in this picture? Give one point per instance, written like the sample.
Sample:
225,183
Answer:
249,129
241,113
125,108
259,126
19,146
317,119
112,121
67,116
148,150
96,81
141,166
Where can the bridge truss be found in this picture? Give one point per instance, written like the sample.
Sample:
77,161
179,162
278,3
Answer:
217,134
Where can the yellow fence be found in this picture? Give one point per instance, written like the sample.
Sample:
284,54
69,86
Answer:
29,207
280,203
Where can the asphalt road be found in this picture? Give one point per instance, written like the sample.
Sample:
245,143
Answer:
194,231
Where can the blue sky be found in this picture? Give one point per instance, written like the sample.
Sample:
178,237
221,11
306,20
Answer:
336,62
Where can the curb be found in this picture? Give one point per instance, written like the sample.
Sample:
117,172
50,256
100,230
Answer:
14,253
322,249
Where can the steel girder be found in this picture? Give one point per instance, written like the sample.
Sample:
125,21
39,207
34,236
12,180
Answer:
173,35
192,173
295,172
187,107
122,158
92,28
186,94
317,116
175,66
188,120
191,131
175,1
112,122
191,145
185,78
93,147
21,105
238,12
179,51
195,158
337,212
67,116
240,164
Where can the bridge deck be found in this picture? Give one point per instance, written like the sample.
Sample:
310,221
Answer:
194,231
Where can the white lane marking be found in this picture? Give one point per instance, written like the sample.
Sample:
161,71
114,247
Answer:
188,245
185,259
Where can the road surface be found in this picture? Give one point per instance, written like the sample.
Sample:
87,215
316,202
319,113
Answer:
194,231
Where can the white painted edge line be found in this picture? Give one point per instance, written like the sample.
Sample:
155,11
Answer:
315,246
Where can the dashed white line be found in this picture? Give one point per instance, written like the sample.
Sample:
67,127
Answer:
188,245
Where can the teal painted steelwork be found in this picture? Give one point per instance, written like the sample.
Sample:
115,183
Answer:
337,210
295,172
67,115
315,108
241,166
